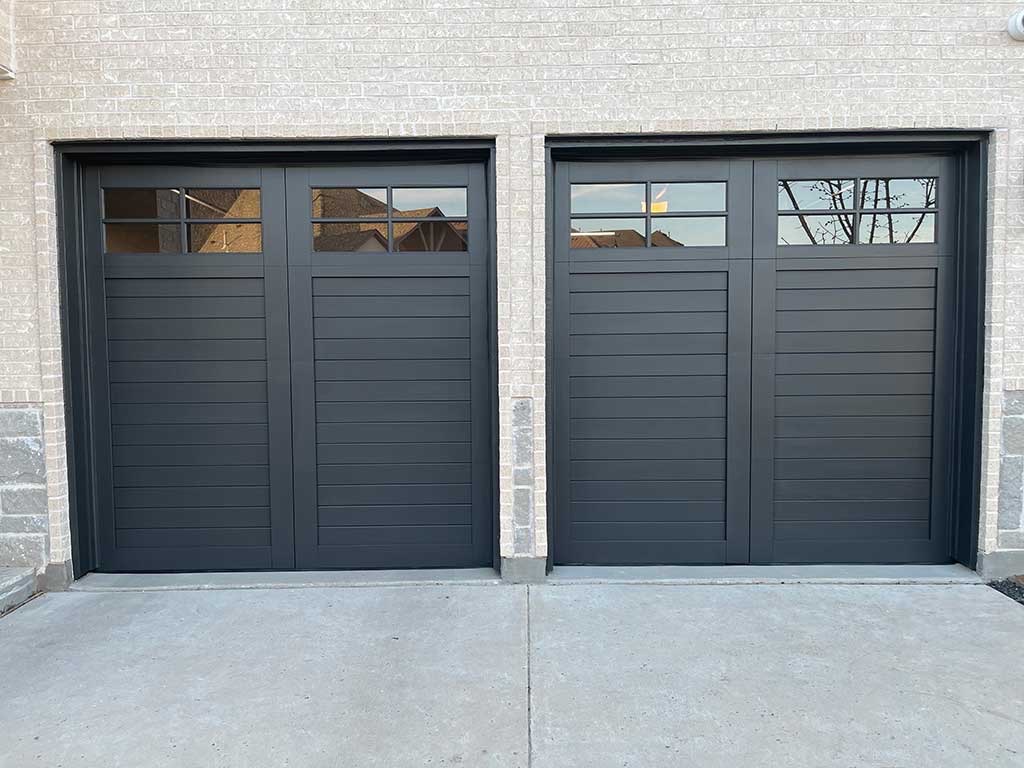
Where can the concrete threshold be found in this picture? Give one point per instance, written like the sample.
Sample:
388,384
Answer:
764,574
167,582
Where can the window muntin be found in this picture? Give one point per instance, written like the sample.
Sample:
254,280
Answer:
396,219
182,220
884,210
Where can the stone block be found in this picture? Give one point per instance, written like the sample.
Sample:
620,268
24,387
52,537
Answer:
1011,492
23,501
1013,404
23,549
22,461
1013,436
20,422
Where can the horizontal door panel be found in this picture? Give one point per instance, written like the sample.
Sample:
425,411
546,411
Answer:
648,301
190,434
856,278
648,365
853,426
391,307
843,531
647,469
396,514
193,537
856,298
408,535
390,327
226,475
392,370
651,322
188,371
180,307
700,389
390,286
654,281
604,429
235,496
342,495
159,393
667,449
189,455
649,344
852,510
648,511
858,362
853,447
640,407
377,391
896,320
859,469
622,490
842,490
648,531
854,384
194,517
854,405
375,453
192,328
176,349
393,411
188,287
371,474
855,341
391,349
395,432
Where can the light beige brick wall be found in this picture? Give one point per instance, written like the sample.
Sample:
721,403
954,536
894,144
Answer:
513,70
6,37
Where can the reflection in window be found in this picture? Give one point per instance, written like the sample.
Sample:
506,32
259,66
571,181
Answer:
898,193
897,228
607,198
224,238
608,233
821,229
142,238
816,195
222,203
350,236
691,231
430,236
683,197
141,203
421,202
349,202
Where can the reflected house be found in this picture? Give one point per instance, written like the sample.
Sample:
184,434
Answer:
227,237
620,238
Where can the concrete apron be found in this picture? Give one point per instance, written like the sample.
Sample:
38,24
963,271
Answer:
473,673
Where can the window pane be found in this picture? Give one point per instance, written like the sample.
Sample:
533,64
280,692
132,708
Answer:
829,229
897,228
224,238
608,233
816,195
696,230
898,193
350,203
350,237
223,203
607,198
143,238
432,201
430,236
688,196
140,203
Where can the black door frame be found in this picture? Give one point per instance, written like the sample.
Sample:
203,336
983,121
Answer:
73,158
969,150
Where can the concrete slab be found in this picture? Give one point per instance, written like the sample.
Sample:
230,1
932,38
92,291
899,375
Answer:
388,677
765,574
155,582
800,676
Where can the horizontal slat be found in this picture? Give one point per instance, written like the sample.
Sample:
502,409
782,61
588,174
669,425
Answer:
235,496
396,514
393,411
391,349
859,362
854,405
226,475
189,455
181,371
853,447
390,286
648,511
178,349
194,517
377,391
648,365
189,413
191,328
390,327
852,531
897,320
852,510
391,306
855,278
371,474
853,426
648,301
189,434
651,281
647,490
342,495
698,448
851,469
647,469
639,407
127,287
650,322
841,490
855,341
647,531
392,370
649,344
855,298
408,535
208,307
375,453
158,392
604,429
395,432
854,384
701,388
193,537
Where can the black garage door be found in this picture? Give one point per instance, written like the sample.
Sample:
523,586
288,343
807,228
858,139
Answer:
752,360
289,366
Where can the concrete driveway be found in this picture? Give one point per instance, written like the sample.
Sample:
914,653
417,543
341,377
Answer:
482,674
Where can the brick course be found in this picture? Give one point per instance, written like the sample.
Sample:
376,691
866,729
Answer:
515,71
